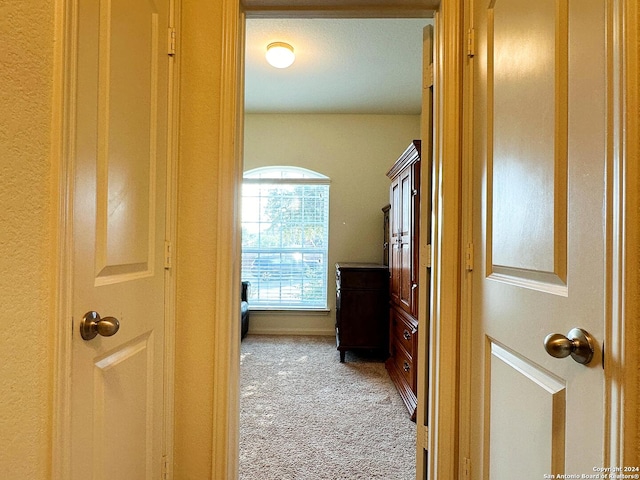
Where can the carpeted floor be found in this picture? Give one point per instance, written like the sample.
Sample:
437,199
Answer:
306,416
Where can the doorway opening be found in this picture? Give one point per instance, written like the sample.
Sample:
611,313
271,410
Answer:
352,134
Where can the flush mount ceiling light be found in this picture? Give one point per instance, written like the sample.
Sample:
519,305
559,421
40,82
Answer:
280,54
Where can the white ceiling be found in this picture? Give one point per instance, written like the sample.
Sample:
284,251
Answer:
342,66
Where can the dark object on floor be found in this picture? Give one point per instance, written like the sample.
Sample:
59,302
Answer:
362,307
244,310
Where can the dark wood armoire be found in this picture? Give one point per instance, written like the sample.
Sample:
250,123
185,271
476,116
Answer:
404,217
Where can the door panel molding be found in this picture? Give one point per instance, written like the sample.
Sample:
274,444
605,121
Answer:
124,257
509,259
116,373
536,389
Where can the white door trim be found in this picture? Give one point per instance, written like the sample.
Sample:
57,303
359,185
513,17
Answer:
171,224
427,129
446,247
622,379
443,432
226,351
65,58
466,222
63,154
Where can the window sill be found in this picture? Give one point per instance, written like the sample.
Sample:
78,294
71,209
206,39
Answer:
289,311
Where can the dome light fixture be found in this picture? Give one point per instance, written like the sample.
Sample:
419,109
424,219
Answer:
280,54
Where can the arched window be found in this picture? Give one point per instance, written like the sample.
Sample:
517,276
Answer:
285,233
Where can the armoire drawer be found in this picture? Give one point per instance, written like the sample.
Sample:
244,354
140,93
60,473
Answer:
404,332
404,365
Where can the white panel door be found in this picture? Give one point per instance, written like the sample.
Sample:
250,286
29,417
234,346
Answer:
119,206
539,236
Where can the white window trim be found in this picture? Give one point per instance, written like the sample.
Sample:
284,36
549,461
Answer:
306,177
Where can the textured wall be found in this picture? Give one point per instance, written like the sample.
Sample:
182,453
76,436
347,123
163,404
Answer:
26,257
355,152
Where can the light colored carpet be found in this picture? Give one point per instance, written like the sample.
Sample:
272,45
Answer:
306,416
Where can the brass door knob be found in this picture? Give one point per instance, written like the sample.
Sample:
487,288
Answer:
92,325
578,343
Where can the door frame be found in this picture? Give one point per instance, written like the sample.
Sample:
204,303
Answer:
63,155
446,250
621,348
622,237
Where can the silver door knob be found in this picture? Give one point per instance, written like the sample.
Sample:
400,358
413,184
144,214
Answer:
92,325
578,343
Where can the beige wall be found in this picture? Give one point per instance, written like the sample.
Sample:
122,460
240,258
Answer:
200,58
355,152
27,242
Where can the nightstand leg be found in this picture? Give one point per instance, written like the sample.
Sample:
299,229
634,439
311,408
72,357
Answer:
342,352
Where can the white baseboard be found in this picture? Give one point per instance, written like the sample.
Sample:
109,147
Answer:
272,323
282,331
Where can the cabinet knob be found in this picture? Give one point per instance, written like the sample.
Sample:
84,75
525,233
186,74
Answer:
406,366
406,335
